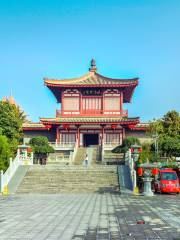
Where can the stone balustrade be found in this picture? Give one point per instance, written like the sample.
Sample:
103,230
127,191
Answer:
6,176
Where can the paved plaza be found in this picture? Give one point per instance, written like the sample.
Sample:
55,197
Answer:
89,216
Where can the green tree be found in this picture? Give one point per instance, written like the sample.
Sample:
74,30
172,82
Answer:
156,127
170,146
126,144
171,123
41,148
168,131
4,152
146,153
10,121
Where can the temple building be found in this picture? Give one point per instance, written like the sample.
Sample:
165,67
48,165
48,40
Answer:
92,112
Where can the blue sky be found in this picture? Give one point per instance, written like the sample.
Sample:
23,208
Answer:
58,38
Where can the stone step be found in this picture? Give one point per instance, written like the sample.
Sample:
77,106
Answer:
33,179
69,179
80,156
77,191
48,189
69,168
70,173
65,188
82,173
75,167
58,179
69,184
75,187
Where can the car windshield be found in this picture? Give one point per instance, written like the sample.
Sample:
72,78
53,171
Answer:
168,176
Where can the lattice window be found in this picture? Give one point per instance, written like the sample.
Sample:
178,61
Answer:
68,138
92,103
113,138
112,103
71,103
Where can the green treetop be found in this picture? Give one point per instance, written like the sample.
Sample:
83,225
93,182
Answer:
10,121
41,148
4,152
167,131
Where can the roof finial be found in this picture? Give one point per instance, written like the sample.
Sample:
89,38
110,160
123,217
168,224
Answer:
93,67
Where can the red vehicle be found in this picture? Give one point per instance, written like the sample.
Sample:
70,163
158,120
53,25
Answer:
167,181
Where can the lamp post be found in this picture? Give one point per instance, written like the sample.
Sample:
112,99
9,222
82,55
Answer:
147,177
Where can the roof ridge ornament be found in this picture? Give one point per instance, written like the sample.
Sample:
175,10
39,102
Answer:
93,67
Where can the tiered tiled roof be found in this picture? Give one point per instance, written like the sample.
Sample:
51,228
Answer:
90,80
88,120
41,126
141,126
34,126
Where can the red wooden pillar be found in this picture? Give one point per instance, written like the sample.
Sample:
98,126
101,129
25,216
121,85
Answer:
102,132
103,103
62,103
121,102
123,133
58,134
80,103
78,135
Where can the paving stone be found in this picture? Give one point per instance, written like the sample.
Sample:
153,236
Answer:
89,217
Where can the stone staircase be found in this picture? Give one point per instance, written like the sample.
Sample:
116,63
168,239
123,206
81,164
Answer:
59,158
96,157
51,179
80,156
113,158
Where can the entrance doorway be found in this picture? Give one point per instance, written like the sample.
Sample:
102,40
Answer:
90,139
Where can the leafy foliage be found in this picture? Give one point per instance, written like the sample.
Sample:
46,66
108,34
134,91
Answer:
10,121
156,127
21,114
41,147
170,146
4,152
126,144
146,153
171,124
168,131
